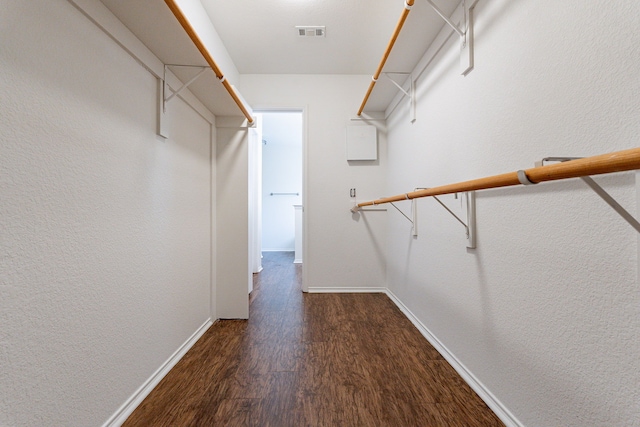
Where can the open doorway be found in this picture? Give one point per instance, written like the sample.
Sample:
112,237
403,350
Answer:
281,179
276,161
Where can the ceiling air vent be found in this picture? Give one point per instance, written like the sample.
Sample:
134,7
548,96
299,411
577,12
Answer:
307,31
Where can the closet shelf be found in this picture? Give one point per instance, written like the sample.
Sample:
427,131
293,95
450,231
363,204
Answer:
207,56
464,30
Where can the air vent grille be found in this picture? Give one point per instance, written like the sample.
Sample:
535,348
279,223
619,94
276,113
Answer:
311,31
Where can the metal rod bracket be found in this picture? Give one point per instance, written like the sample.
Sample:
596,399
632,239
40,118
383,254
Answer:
600,192
440,13
403,214
470,209
523,178
396,84
464,30
411,93
165,98
164,89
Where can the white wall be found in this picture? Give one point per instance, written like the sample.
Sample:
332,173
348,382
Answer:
233,272
281,173
201,23
341,250
105,252
546,311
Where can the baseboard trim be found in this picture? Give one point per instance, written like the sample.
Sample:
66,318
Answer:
297,261
492,402
319,290
127,408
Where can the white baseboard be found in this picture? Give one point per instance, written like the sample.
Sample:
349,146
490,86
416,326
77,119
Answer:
278,250
318,290
127,408
492,402
297,261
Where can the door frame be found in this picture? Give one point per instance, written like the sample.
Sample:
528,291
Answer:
303,110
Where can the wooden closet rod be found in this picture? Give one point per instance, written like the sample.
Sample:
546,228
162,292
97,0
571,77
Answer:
407,8
605,163
207,56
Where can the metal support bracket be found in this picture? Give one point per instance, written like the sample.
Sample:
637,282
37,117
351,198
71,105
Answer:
403,214
414,215
470,207
354,204
464,30
600,192
164,89
460,32
387,75
411,93
165,98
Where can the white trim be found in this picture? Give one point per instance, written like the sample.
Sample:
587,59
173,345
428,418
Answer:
127,408
305,192
319,290
492,402
278,250
266,108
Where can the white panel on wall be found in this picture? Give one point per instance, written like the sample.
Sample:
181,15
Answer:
362,142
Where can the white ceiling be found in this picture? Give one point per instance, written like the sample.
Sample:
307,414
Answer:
260,37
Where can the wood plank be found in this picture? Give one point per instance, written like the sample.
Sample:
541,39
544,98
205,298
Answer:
312,360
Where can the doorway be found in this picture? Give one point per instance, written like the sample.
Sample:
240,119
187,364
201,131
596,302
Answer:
276,177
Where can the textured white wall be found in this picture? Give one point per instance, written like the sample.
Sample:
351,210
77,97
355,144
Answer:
201,22
105,228
233,272
339,251
546,311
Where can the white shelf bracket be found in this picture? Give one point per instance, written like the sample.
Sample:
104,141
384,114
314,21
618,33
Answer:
403,214
600,192
414,215
400,88
161,119
470,209
464,30
446,18
163,98
470,199
411,93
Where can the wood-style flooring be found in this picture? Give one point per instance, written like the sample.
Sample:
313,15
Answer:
312,360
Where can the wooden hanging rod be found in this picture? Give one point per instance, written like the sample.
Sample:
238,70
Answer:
405,12
619,161
207,56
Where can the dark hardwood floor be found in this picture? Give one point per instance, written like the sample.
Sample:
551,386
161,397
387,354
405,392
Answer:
312,360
